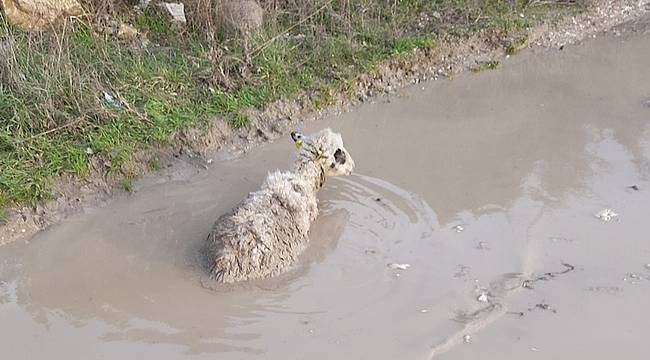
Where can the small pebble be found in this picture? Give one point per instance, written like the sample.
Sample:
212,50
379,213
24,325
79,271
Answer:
458,228
482,298
467,339
424,311
534,349
647,266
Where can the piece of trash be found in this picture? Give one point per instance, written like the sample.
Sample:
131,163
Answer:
482,298
518,313
176,11
109,99
467,339
634,278
458,228
633,187
545,307
396,266
606,215
89,151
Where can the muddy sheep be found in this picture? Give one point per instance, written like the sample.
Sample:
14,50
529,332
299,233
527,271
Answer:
264,234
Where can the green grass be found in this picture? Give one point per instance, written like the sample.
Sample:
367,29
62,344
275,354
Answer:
54,119
4,216
486,65
516,44
127,185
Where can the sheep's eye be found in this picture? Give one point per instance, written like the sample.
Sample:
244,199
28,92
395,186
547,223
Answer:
339,156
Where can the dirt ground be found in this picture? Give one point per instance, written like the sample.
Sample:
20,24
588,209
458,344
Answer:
486,186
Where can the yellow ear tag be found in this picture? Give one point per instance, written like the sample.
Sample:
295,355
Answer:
298,143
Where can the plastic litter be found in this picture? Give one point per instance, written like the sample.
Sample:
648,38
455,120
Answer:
396,266
176,11
606,215
111,100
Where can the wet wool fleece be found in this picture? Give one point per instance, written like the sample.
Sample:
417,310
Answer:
264,234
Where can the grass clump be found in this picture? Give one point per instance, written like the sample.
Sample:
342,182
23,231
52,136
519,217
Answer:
72,97
4,216
486,65
516,44
127,185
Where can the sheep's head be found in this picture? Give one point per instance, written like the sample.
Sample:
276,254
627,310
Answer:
326,148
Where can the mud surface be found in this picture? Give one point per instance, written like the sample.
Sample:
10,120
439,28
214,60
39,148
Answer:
486,186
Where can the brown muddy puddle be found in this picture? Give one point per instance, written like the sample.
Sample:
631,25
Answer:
520,158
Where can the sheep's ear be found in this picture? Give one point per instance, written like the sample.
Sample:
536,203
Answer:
297,138
339,156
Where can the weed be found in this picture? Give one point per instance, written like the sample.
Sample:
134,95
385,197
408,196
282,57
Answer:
154,164
4,216
486,65
516,44
127,185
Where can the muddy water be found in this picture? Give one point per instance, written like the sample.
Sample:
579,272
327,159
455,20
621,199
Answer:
520,158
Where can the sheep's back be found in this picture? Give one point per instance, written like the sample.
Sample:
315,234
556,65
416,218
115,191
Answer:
264,235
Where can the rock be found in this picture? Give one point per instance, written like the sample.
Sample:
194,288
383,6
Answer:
176,11
36,15
127,32
243,16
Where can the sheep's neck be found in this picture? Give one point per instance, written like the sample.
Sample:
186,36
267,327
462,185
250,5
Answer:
313,174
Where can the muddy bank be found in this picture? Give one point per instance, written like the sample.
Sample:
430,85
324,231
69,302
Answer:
487,186
194,149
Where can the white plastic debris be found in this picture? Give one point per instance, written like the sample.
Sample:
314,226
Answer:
606,215
482,298
109,99
176,11
396,266
467,339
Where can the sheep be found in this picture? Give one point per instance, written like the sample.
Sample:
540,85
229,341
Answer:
263,236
